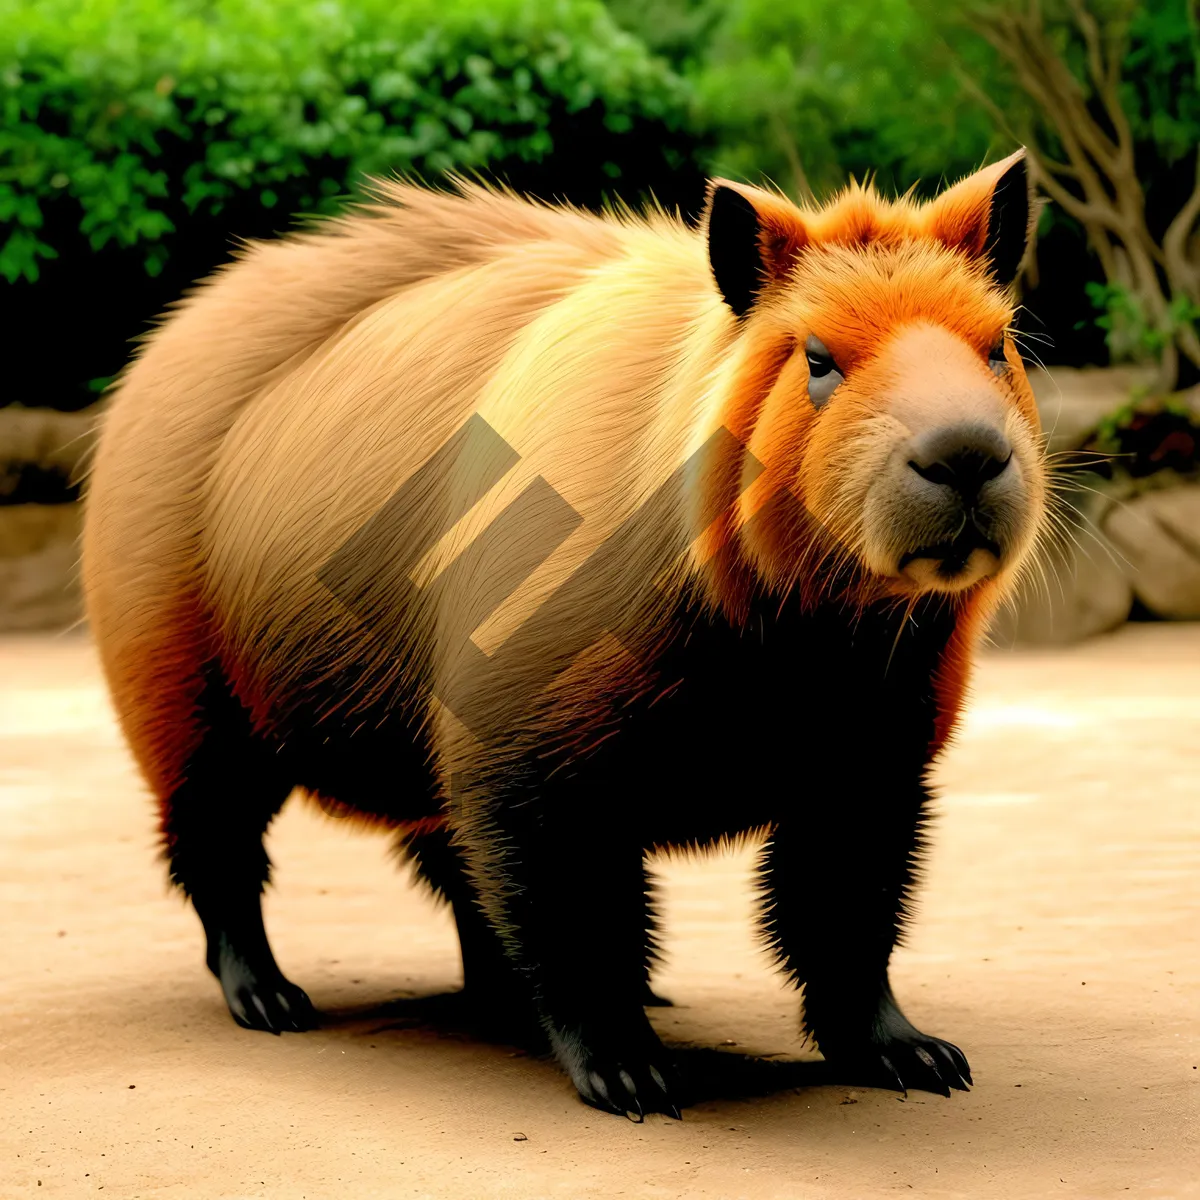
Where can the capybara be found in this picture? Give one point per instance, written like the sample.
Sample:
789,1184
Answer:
548,539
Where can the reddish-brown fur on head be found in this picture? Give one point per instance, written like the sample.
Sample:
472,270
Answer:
911,303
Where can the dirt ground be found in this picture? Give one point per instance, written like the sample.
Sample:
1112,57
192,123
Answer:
1058,944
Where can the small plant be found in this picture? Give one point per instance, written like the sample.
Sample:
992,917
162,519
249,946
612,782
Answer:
1147,436
1131,334
1112,105
1151,432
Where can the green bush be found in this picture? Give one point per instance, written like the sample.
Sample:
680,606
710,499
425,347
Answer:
157,131
807,92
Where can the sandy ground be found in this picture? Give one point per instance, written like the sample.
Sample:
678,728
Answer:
1058,945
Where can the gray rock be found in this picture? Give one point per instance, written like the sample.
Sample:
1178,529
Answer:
1072,400
58,442
39,566
1159,533
1082,589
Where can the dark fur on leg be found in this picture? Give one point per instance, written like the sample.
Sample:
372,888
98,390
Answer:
490,980
836,878
213,826
833,907
497,995
575,925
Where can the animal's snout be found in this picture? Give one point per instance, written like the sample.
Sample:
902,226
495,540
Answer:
955,490
961,457
958,500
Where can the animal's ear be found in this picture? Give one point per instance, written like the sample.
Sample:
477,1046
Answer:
753,240
988,215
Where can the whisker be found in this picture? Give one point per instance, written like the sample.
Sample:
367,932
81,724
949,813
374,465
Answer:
1059,396
908,612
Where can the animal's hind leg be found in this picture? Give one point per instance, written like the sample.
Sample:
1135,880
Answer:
489,978
213,824
561,873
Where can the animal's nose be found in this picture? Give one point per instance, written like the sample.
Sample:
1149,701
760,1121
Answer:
961,457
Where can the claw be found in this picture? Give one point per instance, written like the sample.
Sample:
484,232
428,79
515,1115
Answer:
616,1075
899,1057
598,1086
890,1067
259,997
959,1072
961,1067
266,1022
927,1060
631,1093
299,1010
621,1095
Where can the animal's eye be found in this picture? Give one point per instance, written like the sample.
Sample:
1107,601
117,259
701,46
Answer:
996,357
824,375
820,362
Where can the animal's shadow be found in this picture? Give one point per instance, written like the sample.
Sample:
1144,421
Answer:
706,1074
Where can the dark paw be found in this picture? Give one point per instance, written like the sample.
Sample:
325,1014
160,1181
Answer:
629,1077
916,1061
264,999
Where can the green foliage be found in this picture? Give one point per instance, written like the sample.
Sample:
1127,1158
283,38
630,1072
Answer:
680,31
807,92
1129,332
1161,92
141,137
138,115
910,92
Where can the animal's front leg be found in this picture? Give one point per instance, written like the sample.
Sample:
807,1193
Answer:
834,890
562,881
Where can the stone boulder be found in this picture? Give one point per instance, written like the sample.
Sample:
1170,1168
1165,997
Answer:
51,447
1083,589
39,566
1158,533
1073,400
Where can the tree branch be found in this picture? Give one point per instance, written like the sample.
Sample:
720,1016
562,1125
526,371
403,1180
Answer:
1183,273
1055,91
1106,76
1097,184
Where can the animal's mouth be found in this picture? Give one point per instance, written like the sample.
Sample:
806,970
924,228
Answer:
953,555
953,563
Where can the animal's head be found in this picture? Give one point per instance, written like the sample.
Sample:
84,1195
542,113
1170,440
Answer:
875,378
